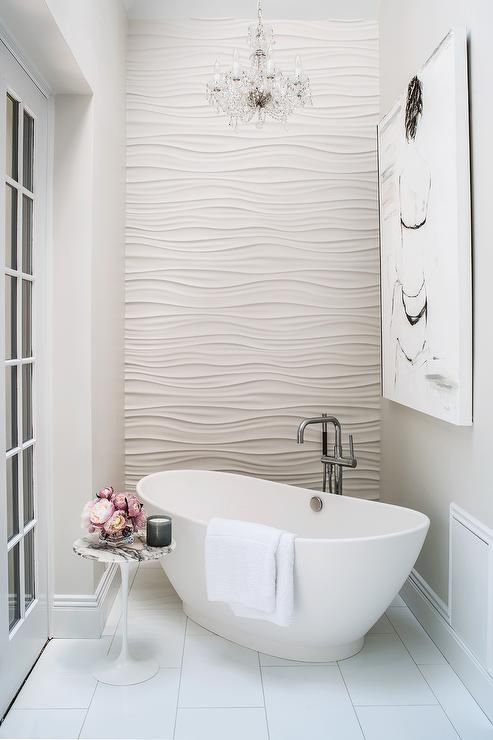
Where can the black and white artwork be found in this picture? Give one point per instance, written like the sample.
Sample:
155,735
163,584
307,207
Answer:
423,145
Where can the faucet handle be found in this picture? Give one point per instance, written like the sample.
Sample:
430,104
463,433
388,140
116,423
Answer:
352,460
351,446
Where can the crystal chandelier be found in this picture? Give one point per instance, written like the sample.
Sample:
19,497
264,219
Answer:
262,90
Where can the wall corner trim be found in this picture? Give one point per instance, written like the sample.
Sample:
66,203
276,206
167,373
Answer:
84,615
434,616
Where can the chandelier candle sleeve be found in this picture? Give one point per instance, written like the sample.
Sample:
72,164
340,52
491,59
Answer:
159,531
262,91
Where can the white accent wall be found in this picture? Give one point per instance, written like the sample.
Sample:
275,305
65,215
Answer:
251,257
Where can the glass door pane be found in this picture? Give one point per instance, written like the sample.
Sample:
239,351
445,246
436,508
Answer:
10,317
28,152
11,429
12,137
29,585
27,234
12,497
27,333
28,484
27,402
10,226
14,587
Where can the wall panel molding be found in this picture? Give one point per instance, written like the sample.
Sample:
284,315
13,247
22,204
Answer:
251,257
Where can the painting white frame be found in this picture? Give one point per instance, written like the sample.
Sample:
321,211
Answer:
445,396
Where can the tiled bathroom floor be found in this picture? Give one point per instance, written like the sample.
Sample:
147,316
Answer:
398,686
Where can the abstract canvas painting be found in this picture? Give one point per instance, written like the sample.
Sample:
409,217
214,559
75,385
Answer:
425,238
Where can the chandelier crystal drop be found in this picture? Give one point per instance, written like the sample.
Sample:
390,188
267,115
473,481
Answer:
262,91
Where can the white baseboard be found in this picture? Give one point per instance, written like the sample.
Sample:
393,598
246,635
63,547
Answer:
433,614
84,615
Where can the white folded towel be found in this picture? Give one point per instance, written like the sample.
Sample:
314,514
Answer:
250,567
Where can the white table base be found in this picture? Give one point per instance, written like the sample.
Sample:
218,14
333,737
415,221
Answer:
125,670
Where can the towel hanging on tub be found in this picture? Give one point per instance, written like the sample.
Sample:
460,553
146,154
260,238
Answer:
250,567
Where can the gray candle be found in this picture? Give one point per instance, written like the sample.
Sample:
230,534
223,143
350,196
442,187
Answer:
158,530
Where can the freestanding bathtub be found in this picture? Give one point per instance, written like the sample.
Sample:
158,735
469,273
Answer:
351,558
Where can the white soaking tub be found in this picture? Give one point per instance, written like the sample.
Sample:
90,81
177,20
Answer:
351,558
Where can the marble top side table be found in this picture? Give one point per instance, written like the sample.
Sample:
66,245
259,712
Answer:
125,670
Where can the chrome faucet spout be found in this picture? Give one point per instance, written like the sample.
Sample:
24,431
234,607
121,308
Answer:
333,464
317,420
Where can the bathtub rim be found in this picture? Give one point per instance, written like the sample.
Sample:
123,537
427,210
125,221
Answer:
424,525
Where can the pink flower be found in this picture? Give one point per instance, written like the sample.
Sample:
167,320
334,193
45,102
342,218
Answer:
119,501
139,521
106,492
86,513
134,506
101,512
116,522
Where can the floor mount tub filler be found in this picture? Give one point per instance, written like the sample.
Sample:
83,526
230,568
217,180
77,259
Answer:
351,558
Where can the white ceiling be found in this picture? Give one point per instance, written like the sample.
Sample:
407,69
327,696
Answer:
293,9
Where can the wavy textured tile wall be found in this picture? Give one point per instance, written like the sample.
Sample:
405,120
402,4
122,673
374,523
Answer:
252,262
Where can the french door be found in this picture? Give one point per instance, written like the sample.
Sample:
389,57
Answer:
23,455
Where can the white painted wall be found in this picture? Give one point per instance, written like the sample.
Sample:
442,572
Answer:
252,258
427,463
88,284
78,50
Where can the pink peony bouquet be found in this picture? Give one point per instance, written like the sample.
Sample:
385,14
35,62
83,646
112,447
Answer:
115,515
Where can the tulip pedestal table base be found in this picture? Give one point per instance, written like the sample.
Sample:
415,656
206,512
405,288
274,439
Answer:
123,670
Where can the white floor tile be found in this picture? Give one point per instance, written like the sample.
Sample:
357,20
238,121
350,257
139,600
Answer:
384,673
382,627
308,702
49,689
43,723
160,637
194,629
218,673
74,655
221,724
405,723
422,648
466,716
143,711
167,654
